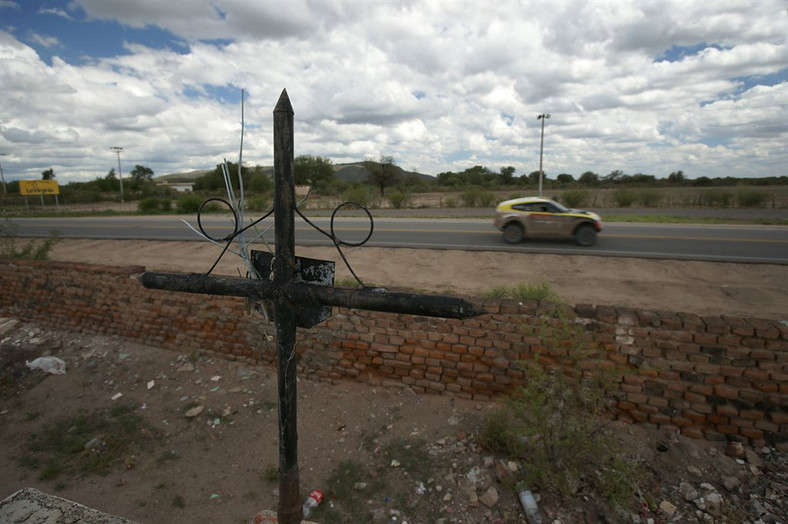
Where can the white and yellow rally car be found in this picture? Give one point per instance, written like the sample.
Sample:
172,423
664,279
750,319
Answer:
535,217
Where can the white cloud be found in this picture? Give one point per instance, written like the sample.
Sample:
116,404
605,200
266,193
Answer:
438,86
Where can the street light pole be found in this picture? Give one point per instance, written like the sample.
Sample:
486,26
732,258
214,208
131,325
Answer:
2,175
120,176
542,117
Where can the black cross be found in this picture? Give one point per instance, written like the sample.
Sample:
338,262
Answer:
290,296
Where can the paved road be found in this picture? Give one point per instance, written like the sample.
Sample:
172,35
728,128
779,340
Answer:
732,243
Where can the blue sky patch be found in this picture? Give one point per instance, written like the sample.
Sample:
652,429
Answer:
69,35
677,53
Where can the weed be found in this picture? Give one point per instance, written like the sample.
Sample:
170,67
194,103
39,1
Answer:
271,474
555,420
87,442
35,250
345,481
537,292
411,455
167,455
178,502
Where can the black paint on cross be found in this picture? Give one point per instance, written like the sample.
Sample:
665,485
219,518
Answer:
291,296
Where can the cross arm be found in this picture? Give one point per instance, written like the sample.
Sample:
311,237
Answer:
308,294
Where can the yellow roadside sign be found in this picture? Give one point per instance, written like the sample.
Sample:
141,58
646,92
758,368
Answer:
39,187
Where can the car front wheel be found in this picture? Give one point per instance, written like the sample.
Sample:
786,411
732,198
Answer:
585,236
513,233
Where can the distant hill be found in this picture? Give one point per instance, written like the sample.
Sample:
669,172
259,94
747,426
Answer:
189,176
351,172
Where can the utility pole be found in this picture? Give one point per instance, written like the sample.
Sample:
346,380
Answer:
542,117
2,175
120,176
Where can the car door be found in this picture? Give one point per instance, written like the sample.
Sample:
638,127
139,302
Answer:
544,222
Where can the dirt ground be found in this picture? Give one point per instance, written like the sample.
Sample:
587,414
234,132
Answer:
211,424
703,288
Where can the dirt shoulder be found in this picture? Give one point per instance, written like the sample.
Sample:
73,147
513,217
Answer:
703,288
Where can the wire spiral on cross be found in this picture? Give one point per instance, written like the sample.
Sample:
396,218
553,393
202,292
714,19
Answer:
331,234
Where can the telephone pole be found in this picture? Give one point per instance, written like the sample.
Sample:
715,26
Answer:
542,117
120,176
2,175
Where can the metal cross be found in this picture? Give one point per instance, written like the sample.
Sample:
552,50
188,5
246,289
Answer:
290,295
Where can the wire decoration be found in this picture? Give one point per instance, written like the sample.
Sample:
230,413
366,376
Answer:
236,207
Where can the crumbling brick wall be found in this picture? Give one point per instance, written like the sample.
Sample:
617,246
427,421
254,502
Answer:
712,377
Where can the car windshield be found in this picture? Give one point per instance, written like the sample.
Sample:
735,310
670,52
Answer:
560,208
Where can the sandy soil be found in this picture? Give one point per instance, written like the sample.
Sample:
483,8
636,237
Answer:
703,288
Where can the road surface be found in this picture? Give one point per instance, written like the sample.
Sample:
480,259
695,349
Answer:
726,243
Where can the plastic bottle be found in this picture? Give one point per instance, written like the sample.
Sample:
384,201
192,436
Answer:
312,501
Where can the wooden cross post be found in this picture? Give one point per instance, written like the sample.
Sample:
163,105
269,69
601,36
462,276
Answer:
289,297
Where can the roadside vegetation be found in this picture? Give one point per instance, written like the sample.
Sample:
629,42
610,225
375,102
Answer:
382,184
553,426
12,247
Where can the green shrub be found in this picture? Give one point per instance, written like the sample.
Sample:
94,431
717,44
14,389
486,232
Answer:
259,203
166,204
553,423
716,198
399,199
748,197
188,204
575,197
537,292
359,194
649,197
476,197
149,205
624,197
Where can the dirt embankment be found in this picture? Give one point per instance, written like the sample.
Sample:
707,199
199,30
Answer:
703,288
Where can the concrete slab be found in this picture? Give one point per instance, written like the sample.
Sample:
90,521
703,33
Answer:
30,506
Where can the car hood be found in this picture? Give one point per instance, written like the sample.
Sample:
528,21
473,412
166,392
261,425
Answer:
584,212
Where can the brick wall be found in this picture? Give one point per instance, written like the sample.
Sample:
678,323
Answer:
710,377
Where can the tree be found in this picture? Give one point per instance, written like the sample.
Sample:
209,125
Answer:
111,175
141,174
507,175
313,171
49,174
614,176
589,178
676,177
565,178
533,177
382,173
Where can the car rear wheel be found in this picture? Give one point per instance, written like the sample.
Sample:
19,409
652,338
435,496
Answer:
585,235
513,233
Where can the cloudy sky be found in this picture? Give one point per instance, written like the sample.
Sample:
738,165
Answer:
644,87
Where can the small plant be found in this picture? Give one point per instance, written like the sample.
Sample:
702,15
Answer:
149,205
34,250
475,197
553,423
360,195
188,204
624,197
650,197
88,442
399,199
178,502
575,197
271,474
748,197
538,292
